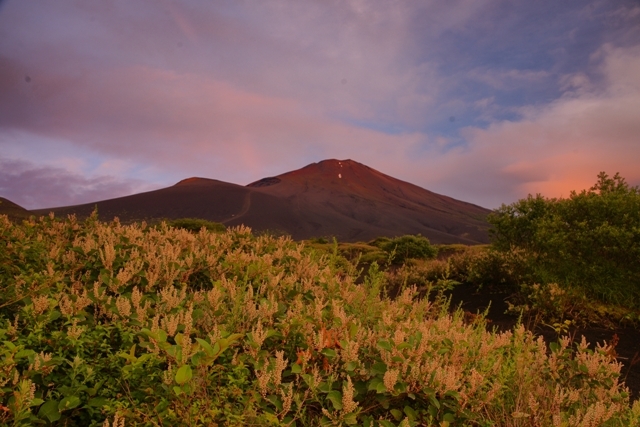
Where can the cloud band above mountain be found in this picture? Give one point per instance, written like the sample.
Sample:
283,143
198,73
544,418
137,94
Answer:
481,100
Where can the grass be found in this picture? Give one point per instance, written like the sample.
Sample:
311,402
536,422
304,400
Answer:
110,324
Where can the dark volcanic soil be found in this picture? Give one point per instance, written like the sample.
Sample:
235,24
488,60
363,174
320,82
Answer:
627,348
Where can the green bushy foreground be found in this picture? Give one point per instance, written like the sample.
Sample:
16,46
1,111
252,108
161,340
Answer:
113,325
589,241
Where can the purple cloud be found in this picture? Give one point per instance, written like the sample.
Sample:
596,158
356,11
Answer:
33,187
241,90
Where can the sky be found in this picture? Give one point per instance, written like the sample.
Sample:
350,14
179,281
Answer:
485,101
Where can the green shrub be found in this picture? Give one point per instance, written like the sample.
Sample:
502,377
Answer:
111,324
432,275
196,224
320,240
488,268
446,251
408,246
379,241
590,240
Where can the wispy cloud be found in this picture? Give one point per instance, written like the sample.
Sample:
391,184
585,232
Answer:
33,186
483,100
556,147
507,79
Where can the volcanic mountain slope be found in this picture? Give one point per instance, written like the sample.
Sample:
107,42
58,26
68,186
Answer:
12,210
355,202
341,198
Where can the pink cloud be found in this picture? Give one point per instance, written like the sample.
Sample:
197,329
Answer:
192,124
557,147
195,88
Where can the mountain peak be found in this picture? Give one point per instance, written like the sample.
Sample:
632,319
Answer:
341,198
196,181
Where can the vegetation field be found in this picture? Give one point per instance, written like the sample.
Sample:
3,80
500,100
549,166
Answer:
113,325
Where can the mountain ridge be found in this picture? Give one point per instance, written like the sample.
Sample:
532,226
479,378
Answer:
341,198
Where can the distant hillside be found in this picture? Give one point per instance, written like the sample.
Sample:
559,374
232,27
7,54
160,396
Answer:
12,210
341,198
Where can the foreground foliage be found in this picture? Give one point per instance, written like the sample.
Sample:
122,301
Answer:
106,324
196,224
589,241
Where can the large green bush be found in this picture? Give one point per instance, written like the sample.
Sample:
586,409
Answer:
409,247
590,239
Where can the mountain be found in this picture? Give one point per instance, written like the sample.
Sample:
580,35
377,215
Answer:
12,210
341,198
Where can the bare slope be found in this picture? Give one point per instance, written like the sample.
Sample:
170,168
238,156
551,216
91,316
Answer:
331,198
355,202
12,210
190,198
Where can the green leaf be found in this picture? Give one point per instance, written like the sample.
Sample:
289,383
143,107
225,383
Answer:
69,403
198,313
396,414
179,338
324,387
453,393
104,276
276,401
216,348
200,359
161,335
184,374
98,402
350,419
350,366
336,399
49,410
308,379
233,338
413,415
24,353
162,406
177,390
174,351
385,345
378,368
434,401
385,423
36,402
329,352
272,333
373,384
554,346
127,356
353,330
449,417
296,369
206,346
